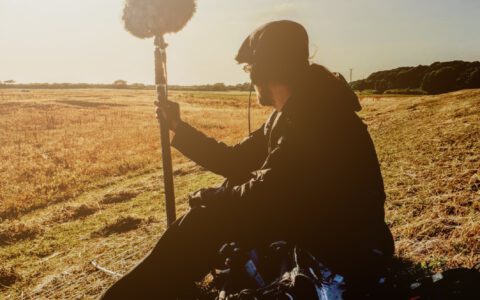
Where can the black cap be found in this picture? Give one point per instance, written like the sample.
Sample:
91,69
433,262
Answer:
276,42
276,51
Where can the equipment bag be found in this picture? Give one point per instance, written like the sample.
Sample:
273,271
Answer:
283,271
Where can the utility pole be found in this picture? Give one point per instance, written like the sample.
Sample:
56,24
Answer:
351,75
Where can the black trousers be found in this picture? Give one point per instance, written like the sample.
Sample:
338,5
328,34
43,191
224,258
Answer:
186,252
189,249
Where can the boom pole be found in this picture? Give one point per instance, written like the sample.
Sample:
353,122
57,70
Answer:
162,96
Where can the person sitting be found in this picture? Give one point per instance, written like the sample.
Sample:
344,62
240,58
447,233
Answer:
309,175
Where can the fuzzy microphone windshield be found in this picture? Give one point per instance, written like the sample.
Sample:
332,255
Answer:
149,18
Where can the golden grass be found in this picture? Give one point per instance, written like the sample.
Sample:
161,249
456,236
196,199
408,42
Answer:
56,144
79,166
429,148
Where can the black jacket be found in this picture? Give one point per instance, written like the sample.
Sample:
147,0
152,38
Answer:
311,168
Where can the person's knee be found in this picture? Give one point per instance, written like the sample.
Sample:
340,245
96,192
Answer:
199,217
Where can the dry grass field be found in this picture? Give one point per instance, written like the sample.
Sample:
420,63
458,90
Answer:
81,186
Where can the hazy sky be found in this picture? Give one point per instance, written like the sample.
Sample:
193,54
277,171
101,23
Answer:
84,40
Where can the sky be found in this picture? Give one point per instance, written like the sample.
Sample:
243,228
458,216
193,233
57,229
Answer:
85,41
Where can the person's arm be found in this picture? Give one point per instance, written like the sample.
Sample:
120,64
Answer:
233,162
275,181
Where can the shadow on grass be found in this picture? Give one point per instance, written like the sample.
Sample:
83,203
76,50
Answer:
8,277
121,225
89,104
18,232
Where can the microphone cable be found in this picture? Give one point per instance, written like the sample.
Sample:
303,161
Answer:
250,110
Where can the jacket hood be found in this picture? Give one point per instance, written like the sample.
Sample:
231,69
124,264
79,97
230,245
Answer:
324,91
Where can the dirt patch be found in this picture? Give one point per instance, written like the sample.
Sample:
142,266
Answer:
8,276
18,232
70,213
122,224
118,197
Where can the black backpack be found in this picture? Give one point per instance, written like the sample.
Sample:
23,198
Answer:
280,271
284,271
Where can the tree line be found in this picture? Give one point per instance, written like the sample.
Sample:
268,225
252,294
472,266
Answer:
122,84
439,77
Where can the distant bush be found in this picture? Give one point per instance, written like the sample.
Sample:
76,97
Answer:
441,80
120,83
440,77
